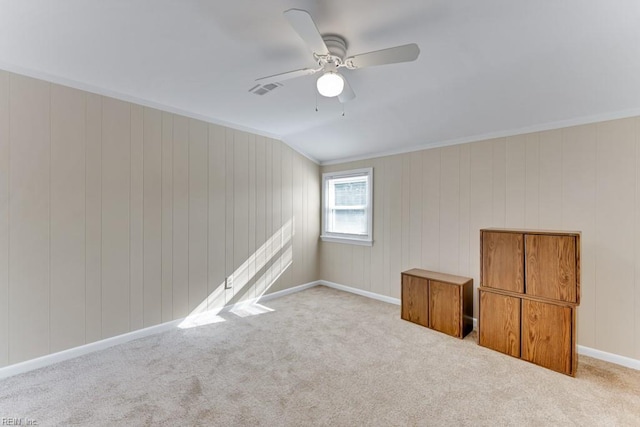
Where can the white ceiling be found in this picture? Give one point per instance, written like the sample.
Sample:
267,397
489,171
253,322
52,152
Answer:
486,68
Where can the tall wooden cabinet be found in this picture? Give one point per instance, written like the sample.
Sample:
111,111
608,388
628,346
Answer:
529,293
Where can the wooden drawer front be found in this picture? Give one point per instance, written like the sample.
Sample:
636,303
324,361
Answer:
415,306
551,267
503,261
499,323
546,335
445,311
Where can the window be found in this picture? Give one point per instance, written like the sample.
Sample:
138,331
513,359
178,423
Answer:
346,206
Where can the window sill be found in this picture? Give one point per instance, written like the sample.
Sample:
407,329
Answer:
347,240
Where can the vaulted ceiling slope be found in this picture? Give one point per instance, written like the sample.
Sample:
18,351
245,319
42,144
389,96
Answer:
486,68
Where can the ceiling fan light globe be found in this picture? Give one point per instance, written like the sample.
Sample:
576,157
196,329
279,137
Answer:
330,84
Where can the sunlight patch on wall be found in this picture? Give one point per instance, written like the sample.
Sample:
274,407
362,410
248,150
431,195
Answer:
207,312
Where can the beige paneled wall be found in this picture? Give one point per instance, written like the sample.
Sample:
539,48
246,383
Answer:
430,205
115,217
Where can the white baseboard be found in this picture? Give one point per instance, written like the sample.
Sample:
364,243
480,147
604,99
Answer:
474,320
284,292
357,291
50,359
609,357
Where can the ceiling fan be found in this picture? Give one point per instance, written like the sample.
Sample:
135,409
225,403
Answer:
330,51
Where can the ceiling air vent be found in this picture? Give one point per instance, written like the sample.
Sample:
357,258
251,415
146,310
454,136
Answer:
264,89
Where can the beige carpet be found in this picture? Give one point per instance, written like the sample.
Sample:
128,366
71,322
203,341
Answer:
322,357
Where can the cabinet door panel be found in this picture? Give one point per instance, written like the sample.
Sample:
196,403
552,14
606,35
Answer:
499,326
546,335
503,261
415,306
444,308
551,267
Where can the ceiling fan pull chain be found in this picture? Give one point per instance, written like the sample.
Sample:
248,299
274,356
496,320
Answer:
316,100
342,109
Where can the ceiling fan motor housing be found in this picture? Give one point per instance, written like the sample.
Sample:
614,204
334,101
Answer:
336,45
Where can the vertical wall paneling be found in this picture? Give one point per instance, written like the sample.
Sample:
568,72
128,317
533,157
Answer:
405,220
67,303
29,232
386,230
481,206
116,188
358,253
377,250
481,190
287,218
550,175
314,210
499,180
251,267
343,256
167,217
276,194
307,268
4,217
268,221
431,209
313,184
449,209
217,213
392,218
357,265
152,259
240,213
532,181
180,217
260,210
579,146
515,181
616,175
198,213
230,209
297,179
465,212
366,270
93,220
136,243
415,212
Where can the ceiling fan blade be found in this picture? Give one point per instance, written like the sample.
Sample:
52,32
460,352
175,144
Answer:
302,22
347,92
287,76
405,53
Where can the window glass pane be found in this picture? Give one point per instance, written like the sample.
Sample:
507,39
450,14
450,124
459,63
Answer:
351,193
346,206
349,221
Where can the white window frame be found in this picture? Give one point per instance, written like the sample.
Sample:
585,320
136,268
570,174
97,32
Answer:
354,239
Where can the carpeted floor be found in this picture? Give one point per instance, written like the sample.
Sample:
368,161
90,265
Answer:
321,357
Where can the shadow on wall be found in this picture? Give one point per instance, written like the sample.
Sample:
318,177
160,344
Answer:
254,277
